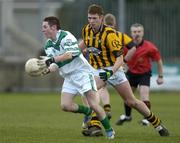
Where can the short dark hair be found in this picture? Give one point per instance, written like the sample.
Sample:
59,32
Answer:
95,9
52,20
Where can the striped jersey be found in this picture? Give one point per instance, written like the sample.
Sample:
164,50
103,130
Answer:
66,42
103,45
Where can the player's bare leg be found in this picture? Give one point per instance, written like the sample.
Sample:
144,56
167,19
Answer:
126,93
92,101
68,105
144,96
105,99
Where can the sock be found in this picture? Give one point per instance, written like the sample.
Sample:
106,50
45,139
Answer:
127,110
155,121
106,124
107,108
84,109
95,120
148,104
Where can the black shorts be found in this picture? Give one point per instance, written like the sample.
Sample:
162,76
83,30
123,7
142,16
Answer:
139,79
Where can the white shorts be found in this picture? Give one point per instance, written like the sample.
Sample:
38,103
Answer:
79,82
117,78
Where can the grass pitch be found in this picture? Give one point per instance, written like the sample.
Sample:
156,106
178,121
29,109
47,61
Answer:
37,118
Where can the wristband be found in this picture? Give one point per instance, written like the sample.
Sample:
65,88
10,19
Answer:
50,61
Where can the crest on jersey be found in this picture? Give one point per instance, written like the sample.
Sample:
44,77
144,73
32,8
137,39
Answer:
69,42
94,51
116,43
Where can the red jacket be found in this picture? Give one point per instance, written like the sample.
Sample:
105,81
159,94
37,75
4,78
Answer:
141,61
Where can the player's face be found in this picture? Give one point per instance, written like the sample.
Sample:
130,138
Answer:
137,33
47,30
95,21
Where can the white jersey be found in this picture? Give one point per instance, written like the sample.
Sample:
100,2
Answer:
66,42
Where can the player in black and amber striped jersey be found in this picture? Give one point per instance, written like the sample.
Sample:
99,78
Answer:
102,54
107,60
124,40
108,27
104,45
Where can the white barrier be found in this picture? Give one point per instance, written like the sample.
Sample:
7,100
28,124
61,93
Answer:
171,78
170,83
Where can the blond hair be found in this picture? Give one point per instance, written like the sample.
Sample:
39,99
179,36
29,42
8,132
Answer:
110,20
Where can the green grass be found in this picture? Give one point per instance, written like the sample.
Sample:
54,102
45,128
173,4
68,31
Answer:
37,118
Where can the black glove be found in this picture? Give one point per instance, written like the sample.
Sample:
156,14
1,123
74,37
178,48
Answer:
106,74
49,61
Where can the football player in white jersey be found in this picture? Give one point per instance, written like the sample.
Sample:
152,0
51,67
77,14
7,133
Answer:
62,49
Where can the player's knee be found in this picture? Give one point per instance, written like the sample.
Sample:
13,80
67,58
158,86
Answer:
131,103
65,107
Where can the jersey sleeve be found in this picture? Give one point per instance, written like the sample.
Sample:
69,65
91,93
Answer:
70,44
83,32
127,39
128,42
114,43
154,53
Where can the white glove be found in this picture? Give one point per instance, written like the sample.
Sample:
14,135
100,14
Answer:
45,61
53,67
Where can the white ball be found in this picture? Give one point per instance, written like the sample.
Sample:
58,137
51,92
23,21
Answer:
31,67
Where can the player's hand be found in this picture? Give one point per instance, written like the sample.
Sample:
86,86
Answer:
106,74
159,81
45,61
45,71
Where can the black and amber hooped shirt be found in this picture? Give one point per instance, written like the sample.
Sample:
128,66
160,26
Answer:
104,45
